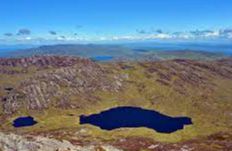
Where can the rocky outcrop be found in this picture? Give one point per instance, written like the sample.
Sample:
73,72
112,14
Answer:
42,61
12,142
59,84
214,142
180,73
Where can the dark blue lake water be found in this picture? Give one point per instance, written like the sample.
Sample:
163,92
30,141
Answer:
133,117
102,58
24,121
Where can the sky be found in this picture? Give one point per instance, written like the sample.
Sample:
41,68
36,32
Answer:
57,21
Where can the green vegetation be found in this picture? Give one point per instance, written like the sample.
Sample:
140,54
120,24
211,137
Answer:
209,109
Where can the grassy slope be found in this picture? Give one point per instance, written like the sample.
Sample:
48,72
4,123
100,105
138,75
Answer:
187,54
210,115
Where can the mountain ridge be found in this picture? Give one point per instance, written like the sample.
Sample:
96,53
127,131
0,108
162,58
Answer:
117,52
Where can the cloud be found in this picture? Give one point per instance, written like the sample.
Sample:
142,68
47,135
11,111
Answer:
149,31
8,34
23,32
160,36
144,37
186,35
202,33
127,37
141,34
197,34
61,38
141,31
178,35
159,31
28,38
220,34
226,33
53,32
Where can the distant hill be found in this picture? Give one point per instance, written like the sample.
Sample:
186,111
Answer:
16,47
88,50
116,52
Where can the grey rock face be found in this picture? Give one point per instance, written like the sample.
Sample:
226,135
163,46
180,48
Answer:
12,142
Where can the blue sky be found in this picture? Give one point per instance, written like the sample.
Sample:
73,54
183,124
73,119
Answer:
44,21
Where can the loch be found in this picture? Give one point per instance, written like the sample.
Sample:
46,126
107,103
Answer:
134,117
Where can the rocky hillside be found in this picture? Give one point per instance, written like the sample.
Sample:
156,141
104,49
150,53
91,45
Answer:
216,142
54,80
56,90
42,61
12,142
59,79
181,74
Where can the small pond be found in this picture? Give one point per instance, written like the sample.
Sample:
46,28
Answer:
133,117
24,122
